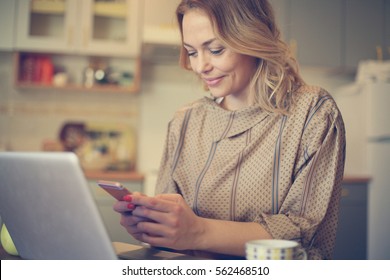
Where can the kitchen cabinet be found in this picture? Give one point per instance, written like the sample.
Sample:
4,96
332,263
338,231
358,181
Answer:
90,27
133,182
316,32
337,33
159,25
351,238
364,30
7,17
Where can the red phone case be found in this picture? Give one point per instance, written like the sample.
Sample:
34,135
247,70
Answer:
115,189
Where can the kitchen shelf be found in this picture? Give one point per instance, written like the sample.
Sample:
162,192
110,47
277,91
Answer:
114,175
115,10
48,7
353,179
79,88
97,88
19,83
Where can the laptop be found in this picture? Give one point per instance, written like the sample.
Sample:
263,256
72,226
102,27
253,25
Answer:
47,206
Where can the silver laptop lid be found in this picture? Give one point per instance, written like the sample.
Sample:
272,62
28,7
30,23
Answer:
48,209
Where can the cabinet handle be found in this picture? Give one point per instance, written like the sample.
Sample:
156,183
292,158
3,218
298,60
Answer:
379,53
294,48
85,36
70,36
344,192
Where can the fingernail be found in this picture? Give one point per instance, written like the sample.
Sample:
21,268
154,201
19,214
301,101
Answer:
130,206
127,198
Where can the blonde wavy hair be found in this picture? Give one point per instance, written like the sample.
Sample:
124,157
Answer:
248,27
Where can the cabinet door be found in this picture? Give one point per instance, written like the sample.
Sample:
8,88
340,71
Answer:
315,28
7,16
111,27
46,25
351,238
364,30
387,30
281,10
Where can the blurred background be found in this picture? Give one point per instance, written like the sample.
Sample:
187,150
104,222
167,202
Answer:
101,78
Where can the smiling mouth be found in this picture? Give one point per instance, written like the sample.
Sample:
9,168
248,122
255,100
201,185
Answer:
213,81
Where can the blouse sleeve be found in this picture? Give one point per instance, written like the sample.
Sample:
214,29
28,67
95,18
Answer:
165,183
309,213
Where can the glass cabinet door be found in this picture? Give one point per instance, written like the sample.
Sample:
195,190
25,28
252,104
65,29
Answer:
113,27
46,24
7,30
97,27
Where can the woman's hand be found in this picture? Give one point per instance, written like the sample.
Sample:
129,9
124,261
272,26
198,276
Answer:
128,220
164,221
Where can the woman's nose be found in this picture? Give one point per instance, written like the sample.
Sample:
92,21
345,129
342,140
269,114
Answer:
203,64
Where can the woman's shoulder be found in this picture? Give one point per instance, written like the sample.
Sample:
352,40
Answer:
311,93
315,108
308,98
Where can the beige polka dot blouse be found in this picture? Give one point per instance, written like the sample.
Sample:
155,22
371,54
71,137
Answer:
283,172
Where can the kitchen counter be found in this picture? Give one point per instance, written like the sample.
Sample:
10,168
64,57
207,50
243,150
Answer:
354,179
114,175
135,176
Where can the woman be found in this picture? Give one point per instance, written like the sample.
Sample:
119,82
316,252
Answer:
262,158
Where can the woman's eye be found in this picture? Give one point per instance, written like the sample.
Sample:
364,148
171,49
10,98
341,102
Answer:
191,53
217,51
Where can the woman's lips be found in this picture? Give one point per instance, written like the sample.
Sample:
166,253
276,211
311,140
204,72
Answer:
213,81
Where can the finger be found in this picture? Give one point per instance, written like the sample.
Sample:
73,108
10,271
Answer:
153,229
155,203
123,206
153,215
174,197
139,194
156,235
131,218
128,220
129,197
137,234
130,223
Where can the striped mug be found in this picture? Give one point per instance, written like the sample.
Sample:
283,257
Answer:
274,249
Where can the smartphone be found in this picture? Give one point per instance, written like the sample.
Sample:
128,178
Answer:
115,189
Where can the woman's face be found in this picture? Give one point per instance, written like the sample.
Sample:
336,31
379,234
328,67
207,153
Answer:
225,72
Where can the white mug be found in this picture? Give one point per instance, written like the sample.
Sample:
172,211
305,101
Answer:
274,249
